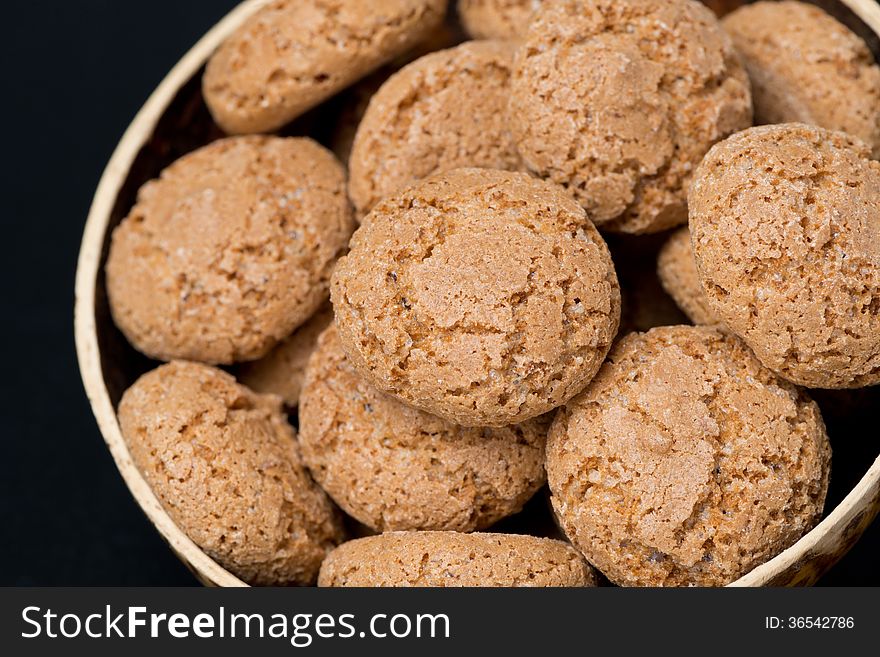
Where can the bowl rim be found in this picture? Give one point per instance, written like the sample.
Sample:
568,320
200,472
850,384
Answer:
819,540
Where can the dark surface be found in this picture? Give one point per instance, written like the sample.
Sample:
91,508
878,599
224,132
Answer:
75,73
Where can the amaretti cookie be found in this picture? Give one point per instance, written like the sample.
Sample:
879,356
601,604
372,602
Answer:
225,465
282,370
678,274
393,467
229,250
293,54
807,67
453,559
497,19
485,297
685,461
785,226
618,100
443,111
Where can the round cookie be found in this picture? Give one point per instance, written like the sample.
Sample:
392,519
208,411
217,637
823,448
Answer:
785,226
485,297
445,110
229,250
292,54
281,371
618,100
225,465
393,467
497,19
807,67
678,275
686,462
454,559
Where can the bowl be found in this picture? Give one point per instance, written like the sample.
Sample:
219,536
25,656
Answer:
174,120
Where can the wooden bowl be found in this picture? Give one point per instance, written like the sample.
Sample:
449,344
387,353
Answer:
174,120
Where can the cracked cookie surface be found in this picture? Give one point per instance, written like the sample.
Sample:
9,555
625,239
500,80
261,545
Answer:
229,250
393,467
225,465
454,559
485,297
785,226
685,461
293,54
807,67
444,111
497,19
678,274
618,100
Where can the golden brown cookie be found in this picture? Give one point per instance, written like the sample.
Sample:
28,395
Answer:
443,111
678,274
485,297
807,67
293,54
785,226
454,559
393,467
225,465
229,250
685,461
618,100
497,19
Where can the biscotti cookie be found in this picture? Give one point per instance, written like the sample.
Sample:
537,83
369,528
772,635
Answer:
225,465
678,274
485,297
618,100
443,111
685,461
454,559
785,226
229,250
393,467
293,54
497,19
807,67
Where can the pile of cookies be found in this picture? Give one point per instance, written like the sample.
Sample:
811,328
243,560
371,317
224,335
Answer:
441,318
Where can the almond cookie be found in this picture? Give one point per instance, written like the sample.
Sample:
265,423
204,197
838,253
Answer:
785,226
686,462
678,274
229,250
443,111
485,297
293,54
497,19
454,559
281,371
807,67
225,465
618,100
393,467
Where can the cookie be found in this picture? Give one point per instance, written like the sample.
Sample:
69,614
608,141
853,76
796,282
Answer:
454,559
807,67
229,250
497,19
618,100
686,462
392,467
785,226
293,54
225,465
678,274
281,371
444,111
485,297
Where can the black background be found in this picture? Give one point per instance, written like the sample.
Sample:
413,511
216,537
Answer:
74,75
